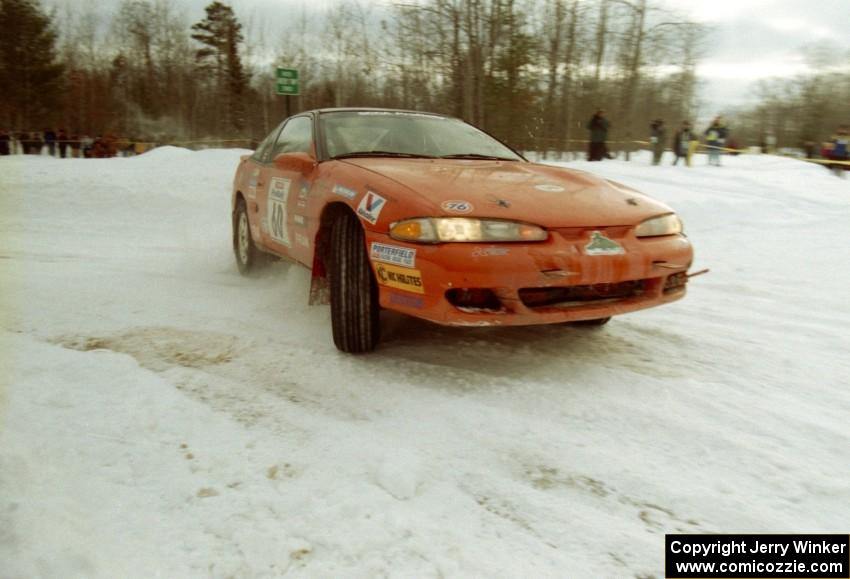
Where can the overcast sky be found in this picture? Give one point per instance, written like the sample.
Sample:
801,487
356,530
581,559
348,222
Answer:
750,39
756,39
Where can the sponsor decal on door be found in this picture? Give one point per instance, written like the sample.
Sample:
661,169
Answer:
278,195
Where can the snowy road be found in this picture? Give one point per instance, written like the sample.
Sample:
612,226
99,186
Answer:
161,416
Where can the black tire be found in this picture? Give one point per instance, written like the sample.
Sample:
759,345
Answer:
354,292
591,323
248,257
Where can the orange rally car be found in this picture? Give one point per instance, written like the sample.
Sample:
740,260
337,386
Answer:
427,215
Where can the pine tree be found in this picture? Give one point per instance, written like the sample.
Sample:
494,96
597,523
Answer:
221,33
29,73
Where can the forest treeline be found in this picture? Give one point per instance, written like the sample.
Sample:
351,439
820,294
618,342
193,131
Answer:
529,71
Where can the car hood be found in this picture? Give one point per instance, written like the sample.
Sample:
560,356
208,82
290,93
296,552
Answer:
542,194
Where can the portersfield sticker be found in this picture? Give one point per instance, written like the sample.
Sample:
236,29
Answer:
455,206
370,207
393,254
601,245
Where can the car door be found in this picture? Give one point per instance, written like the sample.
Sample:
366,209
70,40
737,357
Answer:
253,183
285,225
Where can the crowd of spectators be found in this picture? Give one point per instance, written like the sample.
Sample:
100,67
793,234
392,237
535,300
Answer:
63,144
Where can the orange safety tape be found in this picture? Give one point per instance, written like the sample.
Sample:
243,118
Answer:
820,161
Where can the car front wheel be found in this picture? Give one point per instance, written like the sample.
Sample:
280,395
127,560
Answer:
354,292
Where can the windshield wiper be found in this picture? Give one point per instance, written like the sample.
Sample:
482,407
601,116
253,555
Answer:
476,156
381,154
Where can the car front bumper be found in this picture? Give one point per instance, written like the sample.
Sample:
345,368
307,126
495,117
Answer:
531,283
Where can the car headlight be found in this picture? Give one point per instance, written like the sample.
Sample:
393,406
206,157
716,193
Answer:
669,224
464,229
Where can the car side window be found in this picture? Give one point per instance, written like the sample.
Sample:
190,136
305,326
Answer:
261,155
296,137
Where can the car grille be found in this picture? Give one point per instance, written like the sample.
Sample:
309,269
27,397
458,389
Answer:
539,297
576,234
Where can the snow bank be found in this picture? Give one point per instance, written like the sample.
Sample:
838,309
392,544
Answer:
163,153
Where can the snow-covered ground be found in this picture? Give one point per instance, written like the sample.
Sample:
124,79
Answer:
164,417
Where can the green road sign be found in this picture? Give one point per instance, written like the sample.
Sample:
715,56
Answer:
286,81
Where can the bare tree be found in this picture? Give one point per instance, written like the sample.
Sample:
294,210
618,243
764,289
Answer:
530,73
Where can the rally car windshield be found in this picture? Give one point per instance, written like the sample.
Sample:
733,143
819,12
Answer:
391,133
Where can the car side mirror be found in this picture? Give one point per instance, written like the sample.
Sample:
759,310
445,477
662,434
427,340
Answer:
299,162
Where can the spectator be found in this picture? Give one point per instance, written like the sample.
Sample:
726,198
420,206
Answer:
23,142
598,126
809,148
681,143
769,143
50,140
657,135
5,139
840,151
98,149
123,146
62,137
110,146
74,142
86,143
34,144
715,138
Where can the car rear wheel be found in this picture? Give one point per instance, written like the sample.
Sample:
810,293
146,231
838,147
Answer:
248,257
354,292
